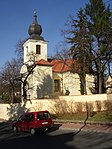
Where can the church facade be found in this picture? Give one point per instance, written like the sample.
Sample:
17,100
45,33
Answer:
50,78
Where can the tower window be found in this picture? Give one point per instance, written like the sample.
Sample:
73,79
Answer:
27,49
38,49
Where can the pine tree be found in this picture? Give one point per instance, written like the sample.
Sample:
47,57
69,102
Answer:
101,31
81,48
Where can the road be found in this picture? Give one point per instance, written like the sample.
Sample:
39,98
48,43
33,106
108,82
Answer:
56,139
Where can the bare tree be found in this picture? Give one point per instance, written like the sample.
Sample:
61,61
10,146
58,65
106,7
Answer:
19,51
24,78
8,79
62,51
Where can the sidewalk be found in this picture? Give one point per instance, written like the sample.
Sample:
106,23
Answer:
79,126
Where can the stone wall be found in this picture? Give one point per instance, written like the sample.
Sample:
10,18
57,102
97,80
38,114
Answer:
65,104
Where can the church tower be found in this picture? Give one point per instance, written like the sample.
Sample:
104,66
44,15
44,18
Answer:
35,48
38,83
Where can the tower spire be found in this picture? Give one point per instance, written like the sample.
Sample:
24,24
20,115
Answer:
35,29
35,17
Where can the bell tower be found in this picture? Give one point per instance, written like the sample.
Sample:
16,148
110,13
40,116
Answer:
35,48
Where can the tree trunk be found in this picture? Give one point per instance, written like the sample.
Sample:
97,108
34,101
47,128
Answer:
82,76
24,91
99,76
99,70
12,94
100,83
85,91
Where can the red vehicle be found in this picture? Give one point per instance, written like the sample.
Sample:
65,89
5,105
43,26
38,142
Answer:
33,121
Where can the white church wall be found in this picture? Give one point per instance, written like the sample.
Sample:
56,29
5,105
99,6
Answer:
90,84
71,82
30,50
41,82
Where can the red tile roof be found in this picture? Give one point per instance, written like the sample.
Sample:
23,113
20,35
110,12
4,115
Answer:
43,63
58,66
61,66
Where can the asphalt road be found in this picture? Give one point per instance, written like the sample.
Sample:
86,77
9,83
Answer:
56,139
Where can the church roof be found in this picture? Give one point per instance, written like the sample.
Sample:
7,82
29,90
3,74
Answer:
61,65
43,63
58,66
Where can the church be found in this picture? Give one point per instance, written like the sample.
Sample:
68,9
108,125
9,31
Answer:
50,78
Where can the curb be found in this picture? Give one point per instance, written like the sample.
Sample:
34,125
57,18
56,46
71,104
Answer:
82,122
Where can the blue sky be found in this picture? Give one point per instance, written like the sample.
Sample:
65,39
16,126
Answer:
17,15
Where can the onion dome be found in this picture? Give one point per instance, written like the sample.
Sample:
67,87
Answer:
35,29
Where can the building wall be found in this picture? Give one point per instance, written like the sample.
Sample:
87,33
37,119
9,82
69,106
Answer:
30,50
71,82
109,85
40,82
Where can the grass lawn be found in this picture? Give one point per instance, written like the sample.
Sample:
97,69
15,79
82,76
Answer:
93,116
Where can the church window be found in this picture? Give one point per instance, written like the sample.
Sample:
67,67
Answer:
27,49
38,49
56,85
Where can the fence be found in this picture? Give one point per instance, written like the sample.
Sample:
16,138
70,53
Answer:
65,104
